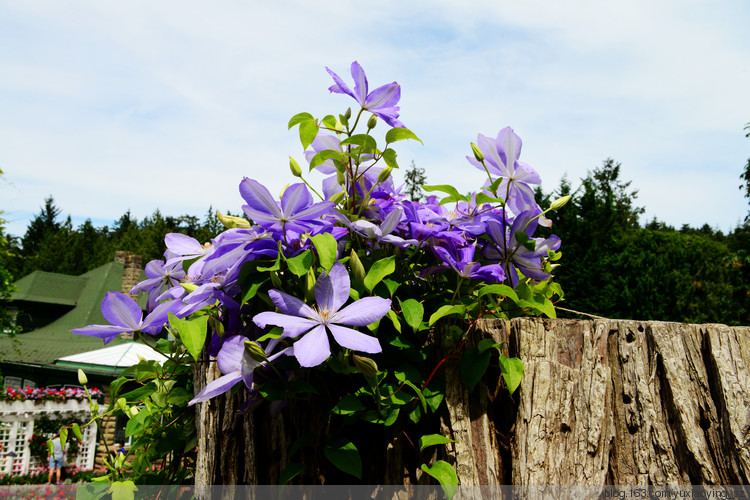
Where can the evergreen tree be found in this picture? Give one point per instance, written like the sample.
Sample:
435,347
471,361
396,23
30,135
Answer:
745,176
414,179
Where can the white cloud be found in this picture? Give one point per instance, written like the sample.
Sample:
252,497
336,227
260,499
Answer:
139,105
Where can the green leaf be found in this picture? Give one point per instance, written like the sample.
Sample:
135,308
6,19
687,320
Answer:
432,440
485,344
63,436
273,267
139,394
325,155
123,490
391,285
422,400
379,270
447,189
512,370
482,198
367,142
502,290
394,319
299,264
473,366
413,311
345,456
492,188
329,121
348,404
77,431
192,332
446,310
326,246
389,156
179,396
399,134
308,129
445,474
292,470
299,118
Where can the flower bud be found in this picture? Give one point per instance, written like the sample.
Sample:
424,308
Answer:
340,178
358,270
337,197
189,287
230,221
294,167
383,176
122,404
477,152
133,411
82,379
372,122
365,365
310,281
276,280
348,113
559,203
255,351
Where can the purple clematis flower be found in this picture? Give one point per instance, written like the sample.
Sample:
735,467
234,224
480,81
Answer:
331,292
461,260
501,157
159,276
297,211
236,364
514,255
380,102
126,317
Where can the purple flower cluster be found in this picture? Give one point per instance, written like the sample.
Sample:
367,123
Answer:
487,236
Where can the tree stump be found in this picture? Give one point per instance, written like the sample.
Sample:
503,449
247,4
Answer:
601,402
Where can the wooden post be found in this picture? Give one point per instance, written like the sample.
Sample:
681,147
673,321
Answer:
601,402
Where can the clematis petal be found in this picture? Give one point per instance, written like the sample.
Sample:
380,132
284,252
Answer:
216,387
104,332
230,355
292,305
295,199
509,147
119,309
384,97
314,211
360,83
293,326
391,221
313,348
492,159
352,339
160,315
339,87
332,290
363,312
258,198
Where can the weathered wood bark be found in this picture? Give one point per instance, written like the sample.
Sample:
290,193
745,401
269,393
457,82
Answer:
601,402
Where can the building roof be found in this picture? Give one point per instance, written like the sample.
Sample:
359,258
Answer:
114,358
50,288
54,340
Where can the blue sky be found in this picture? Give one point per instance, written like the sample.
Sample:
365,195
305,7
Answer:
110,106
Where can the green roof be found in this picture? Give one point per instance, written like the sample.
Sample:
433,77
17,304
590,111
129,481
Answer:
50,288
54,340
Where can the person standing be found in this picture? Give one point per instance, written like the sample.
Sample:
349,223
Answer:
56,459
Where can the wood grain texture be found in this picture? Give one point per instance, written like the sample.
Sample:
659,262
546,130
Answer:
601,402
